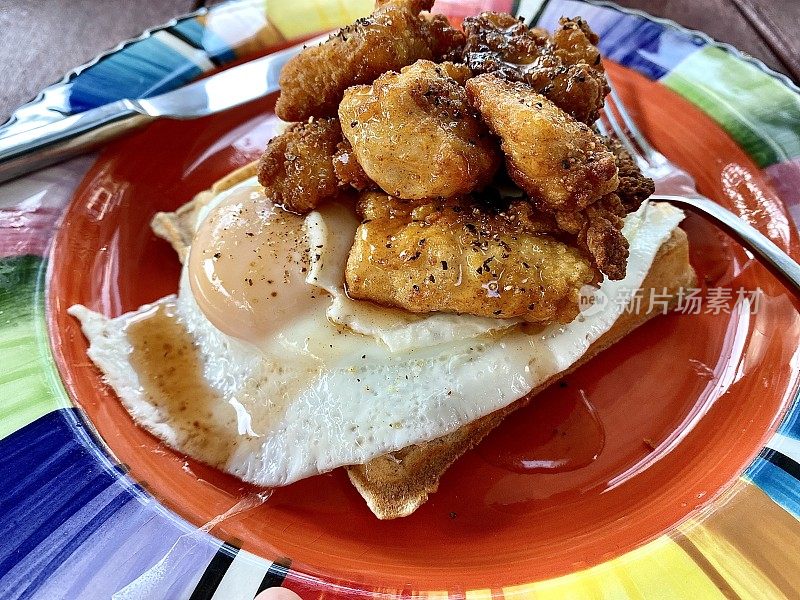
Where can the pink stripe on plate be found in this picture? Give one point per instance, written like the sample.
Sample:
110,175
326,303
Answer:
31,206
466,8
785,178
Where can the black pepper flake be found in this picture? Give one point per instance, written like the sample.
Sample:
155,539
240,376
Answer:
249,281
249,233
415,287
217,254
431,278
444,265
565,163
453,514
415,256
531,306
497,312
524,264
353,123
563,384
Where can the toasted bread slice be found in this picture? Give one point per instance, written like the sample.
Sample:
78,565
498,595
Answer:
396,484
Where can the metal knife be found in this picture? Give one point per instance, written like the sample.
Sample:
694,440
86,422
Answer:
54,142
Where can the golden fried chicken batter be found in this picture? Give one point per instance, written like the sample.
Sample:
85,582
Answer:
395,35
463,256
416,135
561,163
348,170
634,188
598,229
297,167
566,68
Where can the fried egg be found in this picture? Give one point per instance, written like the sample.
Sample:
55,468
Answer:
263,367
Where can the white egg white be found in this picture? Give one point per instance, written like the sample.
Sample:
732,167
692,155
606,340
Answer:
348,381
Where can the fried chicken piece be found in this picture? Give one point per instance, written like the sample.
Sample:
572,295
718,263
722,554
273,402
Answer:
564,167
634,188
598,229
566,68
347,169
395,35
561,163
416,135
297,167
463,256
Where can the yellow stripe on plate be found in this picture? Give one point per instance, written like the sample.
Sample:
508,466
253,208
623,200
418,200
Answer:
753,543
479,595
660,569
296,19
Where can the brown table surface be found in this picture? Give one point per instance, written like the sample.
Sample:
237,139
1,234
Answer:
40,40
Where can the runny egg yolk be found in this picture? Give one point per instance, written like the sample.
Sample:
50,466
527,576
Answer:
247,266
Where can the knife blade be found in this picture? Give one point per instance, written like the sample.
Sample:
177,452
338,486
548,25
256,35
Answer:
48,144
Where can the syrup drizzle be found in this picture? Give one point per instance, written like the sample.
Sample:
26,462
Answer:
170,373
548,437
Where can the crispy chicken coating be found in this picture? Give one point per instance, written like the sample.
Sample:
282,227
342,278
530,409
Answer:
634,188
347,169
598,230
564,167
463,256
395,35
297,167
416,135
598,227
566,68
561,163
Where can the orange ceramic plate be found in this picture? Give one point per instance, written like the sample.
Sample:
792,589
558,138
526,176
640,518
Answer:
685,403
692,386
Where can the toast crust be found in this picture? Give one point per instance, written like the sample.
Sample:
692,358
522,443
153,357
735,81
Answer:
396,484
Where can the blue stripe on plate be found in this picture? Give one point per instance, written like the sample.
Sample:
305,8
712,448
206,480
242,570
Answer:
195,33
790,426
74,526
144,68
650,48
773,473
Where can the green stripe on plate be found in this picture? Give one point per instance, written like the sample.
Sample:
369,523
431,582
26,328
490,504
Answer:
753,107
29,383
